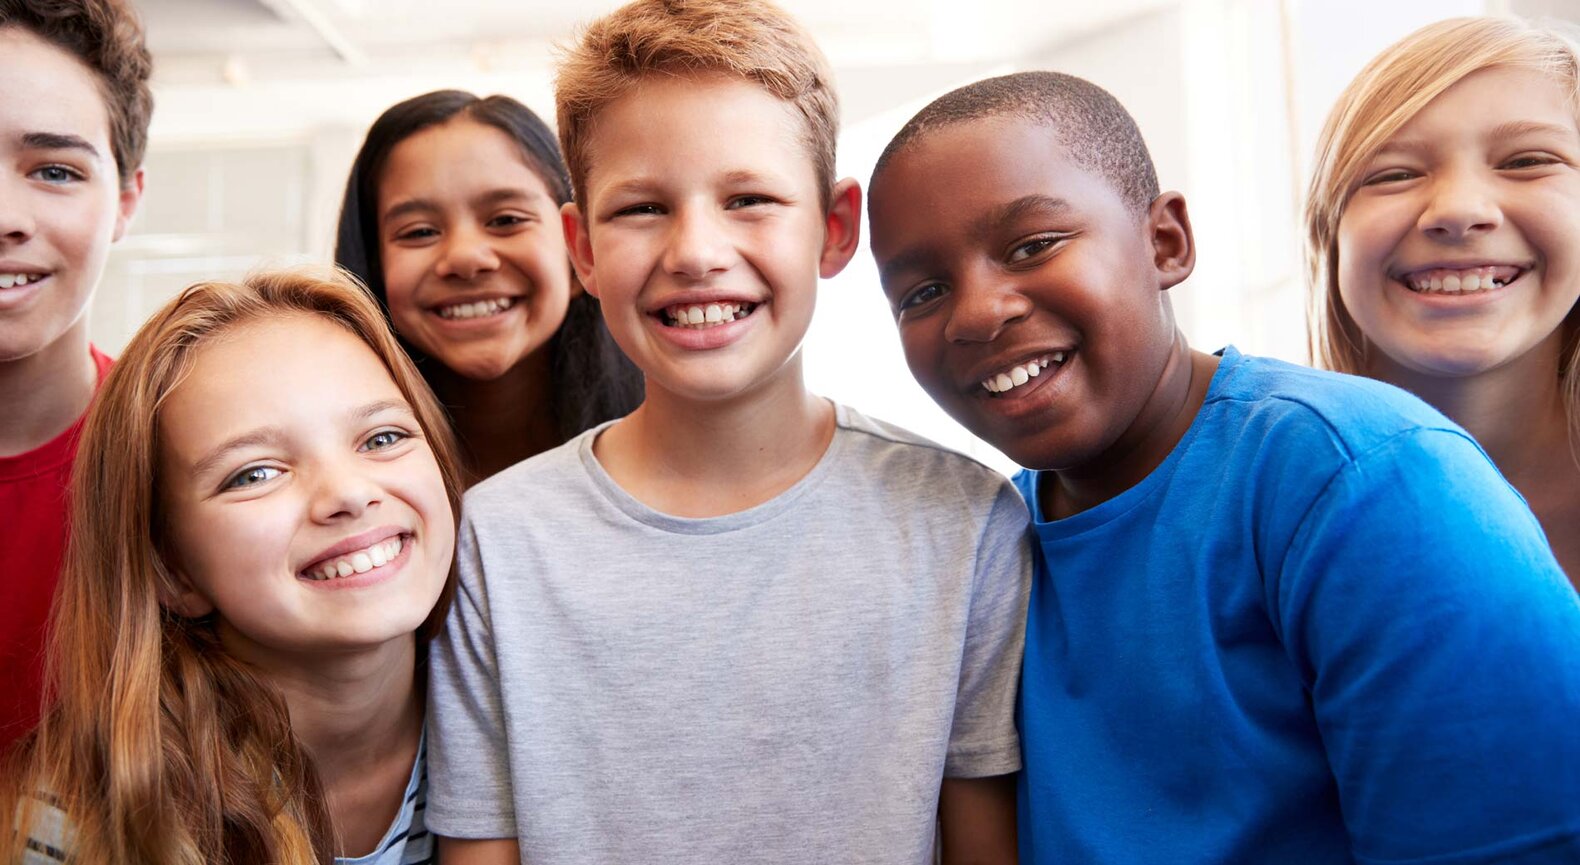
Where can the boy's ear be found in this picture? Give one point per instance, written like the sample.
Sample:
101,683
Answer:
841,228
579,244
1173,245
131,195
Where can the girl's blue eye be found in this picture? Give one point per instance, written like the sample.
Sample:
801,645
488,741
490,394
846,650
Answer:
923,295
251,477
384,439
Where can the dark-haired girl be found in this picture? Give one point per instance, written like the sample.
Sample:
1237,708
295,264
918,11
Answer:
451,216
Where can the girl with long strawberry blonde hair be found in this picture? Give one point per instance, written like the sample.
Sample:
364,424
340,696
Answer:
262,534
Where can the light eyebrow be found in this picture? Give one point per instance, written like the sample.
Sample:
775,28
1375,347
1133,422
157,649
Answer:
382,405
253,438
59,141
1517,128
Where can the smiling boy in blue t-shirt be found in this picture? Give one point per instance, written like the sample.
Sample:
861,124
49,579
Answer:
1281,615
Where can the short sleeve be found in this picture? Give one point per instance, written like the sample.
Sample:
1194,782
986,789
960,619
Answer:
1440,642
469,793
982,740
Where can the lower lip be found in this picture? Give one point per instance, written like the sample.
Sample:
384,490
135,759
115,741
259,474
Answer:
380,574
1461,300
707,338
20,294
1030,397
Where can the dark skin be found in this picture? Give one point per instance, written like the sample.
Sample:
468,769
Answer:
995,250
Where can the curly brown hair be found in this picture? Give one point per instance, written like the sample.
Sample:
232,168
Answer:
107,37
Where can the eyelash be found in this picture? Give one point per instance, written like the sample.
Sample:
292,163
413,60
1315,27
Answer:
72,174
400,436
235,480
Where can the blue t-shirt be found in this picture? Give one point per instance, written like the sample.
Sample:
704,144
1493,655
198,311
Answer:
1324,630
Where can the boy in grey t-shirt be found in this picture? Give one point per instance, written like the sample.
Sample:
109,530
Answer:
740,624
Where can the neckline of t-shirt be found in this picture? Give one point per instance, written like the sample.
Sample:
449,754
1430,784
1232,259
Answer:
1097,517
59,451
407,809
636,510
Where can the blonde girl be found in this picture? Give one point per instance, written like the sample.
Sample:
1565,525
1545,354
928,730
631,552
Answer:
1444,244
263,527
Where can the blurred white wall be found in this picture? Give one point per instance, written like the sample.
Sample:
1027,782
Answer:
250,148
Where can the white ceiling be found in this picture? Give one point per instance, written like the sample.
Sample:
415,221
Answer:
250,68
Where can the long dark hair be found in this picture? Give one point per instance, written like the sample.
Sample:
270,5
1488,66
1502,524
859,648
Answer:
592,379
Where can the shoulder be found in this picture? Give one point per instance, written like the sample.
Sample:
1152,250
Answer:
892,455
1308,414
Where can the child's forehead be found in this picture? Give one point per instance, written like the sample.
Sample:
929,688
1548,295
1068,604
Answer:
998,156
44,83
691,109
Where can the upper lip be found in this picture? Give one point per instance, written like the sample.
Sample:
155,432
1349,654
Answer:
18,267
357,541
1006,360
1466,264
696,297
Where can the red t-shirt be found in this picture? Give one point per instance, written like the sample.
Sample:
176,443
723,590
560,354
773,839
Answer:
33,511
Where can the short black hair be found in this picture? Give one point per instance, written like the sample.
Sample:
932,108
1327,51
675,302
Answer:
1088,122
107,37
593,380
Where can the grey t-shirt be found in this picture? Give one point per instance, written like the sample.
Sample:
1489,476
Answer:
785,684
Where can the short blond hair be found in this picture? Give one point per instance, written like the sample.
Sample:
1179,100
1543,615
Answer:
749,39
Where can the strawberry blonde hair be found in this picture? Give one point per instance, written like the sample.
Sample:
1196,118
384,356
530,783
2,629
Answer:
156,744
1393,88
747,39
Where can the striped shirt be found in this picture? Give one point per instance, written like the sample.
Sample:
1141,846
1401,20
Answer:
406,843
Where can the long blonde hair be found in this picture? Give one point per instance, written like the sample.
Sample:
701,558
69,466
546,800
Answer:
1382,99
157,745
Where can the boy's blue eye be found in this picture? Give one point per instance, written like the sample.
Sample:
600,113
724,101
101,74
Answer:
251,477
922,295
57,174
384,439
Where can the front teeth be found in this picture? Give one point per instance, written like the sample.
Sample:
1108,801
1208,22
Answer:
359,562
702,315
14,280
477,309
1016,376
1446,281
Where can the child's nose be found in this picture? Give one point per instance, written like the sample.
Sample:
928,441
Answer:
16,223
982,308
697,245
342,492
467,254
1460,203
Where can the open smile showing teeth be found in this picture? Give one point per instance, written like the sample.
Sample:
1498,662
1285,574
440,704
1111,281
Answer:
1016,376
356,562
704,315
1469,280
477,309
17,280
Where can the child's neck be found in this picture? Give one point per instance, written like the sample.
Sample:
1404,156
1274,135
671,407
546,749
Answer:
691,459
45,392
360,717
1164,418
502,421
1516,413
